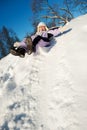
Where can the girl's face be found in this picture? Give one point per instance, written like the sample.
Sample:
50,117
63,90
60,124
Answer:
42,28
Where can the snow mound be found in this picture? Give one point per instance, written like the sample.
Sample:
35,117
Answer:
47,91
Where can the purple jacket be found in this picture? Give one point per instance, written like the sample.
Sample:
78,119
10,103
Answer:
41,43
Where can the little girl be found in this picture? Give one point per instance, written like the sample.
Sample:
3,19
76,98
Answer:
41,38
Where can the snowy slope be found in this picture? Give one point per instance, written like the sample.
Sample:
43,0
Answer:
47,91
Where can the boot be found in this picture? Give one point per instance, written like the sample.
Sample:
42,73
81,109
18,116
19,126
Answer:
18,51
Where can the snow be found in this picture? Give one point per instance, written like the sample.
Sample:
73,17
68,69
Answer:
47,90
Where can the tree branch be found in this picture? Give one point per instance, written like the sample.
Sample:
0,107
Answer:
67,12
64,20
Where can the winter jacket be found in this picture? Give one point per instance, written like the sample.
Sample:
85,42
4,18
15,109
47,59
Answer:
42,43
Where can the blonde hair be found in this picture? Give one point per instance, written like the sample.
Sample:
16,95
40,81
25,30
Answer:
42,24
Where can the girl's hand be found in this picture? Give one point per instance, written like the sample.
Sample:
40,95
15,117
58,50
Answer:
16,44
63,28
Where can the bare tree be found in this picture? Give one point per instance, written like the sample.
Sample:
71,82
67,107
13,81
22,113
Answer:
50,12
54,14
76,6
82,6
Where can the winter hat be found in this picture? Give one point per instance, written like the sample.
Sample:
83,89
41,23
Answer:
41,24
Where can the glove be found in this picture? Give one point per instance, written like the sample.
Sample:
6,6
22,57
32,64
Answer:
16,44
50,36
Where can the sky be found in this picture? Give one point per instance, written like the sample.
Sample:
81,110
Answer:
47,90
17,15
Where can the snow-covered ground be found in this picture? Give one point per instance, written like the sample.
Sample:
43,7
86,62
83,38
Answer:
47,91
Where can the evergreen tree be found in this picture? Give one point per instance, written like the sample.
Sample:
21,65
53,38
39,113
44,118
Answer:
7,38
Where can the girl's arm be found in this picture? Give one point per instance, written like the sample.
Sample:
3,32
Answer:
56,31
62,29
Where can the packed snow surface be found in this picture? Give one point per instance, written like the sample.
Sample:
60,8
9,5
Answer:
47,90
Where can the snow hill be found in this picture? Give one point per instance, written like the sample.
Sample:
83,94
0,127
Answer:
48,90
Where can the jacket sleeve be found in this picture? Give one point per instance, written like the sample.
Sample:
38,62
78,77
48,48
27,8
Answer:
55,32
